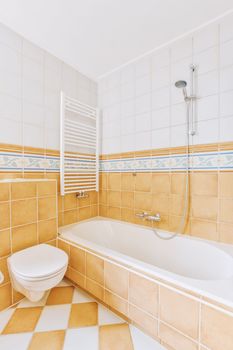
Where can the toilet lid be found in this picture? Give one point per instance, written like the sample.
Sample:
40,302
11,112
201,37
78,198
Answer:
38,261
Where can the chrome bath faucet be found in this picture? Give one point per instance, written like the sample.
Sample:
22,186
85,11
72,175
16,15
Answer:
149,217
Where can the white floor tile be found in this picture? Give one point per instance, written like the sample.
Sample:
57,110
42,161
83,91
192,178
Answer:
81,297
54,318
4,318
15,341
142,341
82,338
107,317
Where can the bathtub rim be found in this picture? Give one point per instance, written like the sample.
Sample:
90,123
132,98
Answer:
161,276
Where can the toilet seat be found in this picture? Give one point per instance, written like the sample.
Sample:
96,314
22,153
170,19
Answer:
38,262
36,279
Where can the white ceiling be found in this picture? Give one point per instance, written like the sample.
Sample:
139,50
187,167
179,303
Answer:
96,36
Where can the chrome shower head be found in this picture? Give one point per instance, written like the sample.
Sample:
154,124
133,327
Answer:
181,84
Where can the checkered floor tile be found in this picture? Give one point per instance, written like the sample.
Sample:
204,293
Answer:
68,319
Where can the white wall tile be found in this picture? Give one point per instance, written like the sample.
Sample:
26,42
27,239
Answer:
226,103
143,141
10,60
114,80
160,77
207,84
226,54
207,132
128,108
165,104
32,51
226,79
207,60
181,49
161,98
52,139
69,82
143,122
10,131
205,38
33,91
52,78
32,69
52,98
226,29
207,107
29,107
178,135
178,114
52,62
114,112
143,85
127,143
112,145
127,91
33,114
143,104
160,138
128,126
143,67
52,118
10,107
160,118
33,136
10,84
226,127
128,74
160,58
112,129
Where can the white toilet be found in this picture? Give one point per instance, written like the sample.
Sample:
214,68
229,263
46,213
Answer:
37,269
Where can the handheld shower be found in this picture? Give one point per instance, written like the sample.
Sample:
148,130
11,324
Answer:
181,84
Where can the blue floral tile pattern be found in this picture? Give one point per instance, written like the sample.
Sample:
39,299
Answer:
177,162
222,160
28,162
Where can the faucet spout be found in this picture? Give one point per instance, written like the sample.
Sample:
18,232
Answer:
154,218
148,217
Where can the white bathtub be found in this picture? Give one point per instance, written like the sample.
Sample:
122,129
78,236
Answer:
196,264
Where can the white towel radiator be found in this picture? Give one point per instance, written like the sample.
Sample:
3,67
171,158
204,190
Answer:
79,146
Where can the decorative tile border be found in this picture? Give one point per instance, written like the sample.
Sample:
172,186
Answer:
222,160
10,161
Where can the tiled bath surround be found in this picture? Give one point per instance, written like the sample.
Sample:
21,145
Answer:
123,194
28,216
144,135
177,318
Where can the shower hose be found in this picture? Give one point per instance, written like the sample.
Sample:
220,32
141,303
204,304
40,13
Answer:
187,185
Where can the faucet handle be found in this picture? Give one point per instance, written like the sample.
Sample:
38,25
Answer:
141,215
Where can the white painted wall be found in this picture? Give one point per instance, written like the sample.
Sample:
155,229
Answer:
142,109
30,84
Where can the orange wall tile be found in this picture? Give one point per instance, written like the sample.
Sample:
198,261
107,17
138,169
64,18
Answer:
210,201
21,226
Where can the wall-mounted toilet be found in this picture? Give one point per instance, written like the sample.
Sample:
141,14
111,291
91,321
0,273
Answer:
37,269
